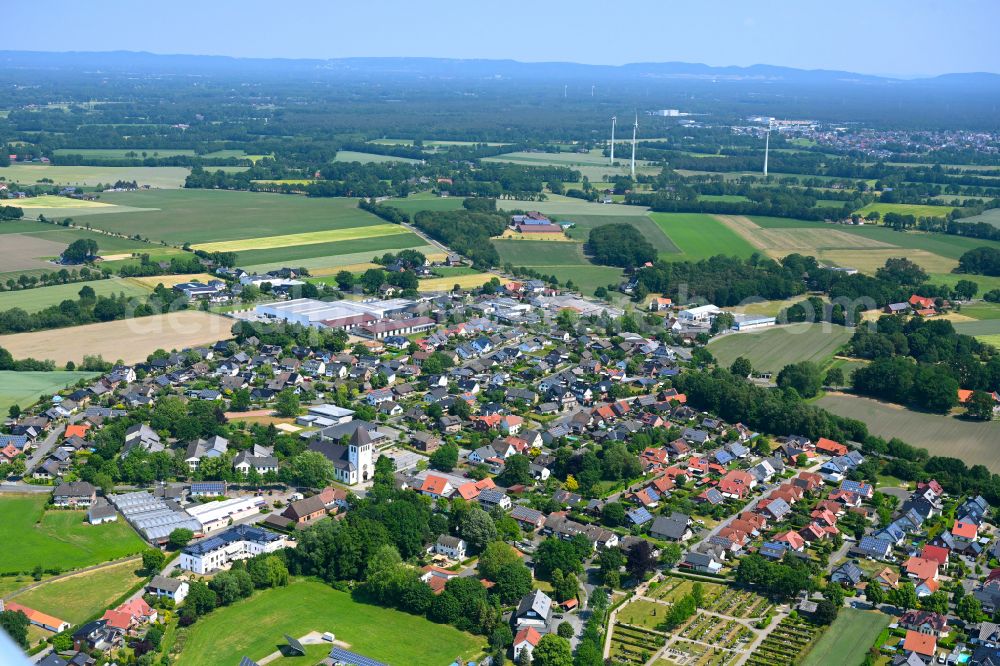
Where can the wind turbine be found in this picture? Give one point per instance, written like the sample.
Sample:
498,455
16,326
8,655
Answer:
767,145
614,119
635,128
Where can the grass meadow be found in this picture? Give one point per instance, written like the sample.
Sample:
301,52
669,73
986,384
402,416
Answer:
847,640
699,236
79,597
380,633
39,298
771,349
916,210
370,158
25,388
58,539
161,176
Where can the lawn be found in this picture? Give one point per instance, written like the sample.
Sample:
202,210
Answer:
93,175
771,349
305,605
25,388
972,441
699,236
848,639
207,216
916,210
57,539
39,298
79,597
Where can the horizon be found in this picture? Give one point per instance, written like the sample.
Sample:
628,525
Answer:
887,39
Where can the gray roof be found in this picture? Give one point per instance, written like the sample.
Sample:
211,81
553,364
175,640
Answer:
673,526
163,583
537,601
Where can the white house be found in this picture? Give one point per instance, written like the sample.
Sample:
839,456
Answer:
702,314
172,588
450,546
219,551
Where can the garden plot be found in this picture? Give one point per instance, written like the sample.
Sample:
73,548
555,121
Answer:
785,644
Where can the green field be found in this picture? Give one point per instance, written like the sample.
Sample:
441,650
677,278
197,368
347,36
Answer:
983,327
782,222
972,441
25,388
730,198
39,298
593,165
370,158
92,175
305,605
307,238
991,216
699,236
771,349
419,202
986,282
58,539
120,153
328,251
79,597
319,265
848,639
540,254
982,310
649,230
205,216
916,210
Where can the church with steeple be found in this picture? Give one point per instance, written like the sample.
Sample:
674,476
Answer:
354,463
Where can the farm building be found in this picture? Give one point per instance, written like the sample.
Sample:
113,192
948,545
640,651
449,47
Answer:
216,515
746,322
339,314
702,314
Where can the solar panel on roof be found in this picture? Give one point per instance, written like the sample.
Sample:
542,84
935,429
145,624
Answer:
247,661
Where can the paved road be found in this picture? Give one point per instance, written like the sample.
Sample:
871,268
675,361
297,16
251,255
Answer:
20,487
49,443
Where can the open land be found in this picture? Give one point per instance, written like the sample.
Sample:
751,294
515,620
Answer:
25,388
307,238
699,236
79,597
160,176
916,210
771,349
58,539
130,340
973,441
370,158
848,639
306,605
39,298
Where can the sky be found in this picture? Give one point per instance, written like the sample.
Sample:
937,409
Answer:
889,37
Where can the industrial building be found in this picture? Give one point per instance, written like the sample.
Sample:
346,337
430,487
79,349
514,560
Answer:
213,516
747,322
347,315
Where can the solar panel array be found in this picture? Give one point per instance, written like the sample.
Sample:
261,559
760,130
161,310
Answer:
348,658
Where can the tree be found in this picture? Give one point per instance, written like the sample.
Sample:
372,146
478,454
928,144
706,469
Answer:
180,537
309,469
15,623
965,290
905,596
640,559
516,470
804,377
826,612
477,528
671,554
980,406
834,377
874,593
565,630
153,560
200,598
554,553
552,650
969,609
240,401
564,586
495,557
345,280
513,581
741,367
80,251
445,457
287,403
613,514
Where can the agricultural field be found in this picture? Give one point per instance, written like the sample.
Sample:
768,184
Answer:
307,238
991,216
307,605
58,539
89,176
771,349
564,260
83,595
330,253
25,388
699,236
370,158
208,216
341,260
52,201
128,340
125,153
593,165
418,202
939,434
39,298
464,281
916,210
847,640
643,224
986,282
150,281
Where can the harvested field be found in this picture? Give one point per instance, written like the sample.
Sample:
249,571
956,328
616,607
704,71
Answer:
22,252
52,201
130,340
972,441
329,265
463,281
778,242
309,238
162,176
870,260
170,280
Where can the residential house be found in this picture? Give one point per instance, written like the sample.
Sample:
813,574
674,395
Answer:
450,546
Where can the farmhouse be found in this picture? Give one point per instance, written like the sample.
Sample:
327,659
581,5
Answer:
238,543
77,494
172,588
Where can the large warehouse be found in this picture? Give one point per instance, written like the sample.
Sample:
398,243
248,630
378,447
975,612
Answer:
335,314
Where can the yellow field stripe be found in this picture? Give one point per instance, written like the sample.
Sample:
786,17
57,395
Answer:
308,238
